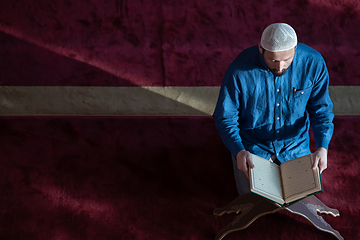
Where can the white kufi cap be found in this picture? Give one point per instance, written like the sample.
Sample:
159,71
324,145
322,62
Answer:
278,37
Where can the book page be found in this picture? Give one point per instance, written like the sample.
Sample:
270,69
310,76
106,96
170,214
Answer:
265,179
298,178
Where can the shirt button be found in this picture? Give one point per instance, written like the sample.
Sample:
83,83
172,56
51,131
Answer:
278,104
277,118
278,90
278,131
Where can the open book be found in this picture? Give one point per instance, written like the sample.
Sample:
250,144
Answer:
284,184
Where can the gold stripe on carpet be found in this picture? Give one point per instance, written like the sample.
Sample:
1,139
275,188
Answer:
134,101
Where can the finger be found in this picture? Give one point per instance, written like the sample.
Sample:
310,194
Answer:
250,162
316,162
242,166
322,166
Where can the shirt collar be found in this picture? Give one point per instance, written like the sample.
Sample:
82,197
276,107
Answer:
264,65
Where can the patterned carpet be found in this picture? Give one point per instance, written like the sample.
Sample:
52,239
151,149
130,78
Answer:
113,176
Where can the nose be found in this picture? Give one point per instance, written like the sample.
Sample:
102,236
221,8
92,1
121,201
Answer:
280,66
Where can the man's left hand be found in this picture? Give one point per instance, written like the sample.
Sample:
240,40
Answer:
320,157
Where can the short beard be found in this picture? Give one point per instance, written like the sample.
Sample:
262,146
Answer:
274,71
278,74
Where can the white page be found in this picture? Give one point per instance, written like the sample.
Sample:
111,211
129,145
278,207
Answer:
266,177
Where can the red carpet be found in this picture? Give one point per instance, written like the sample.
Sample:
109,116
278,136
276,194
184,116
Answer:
163,43
157,178
97,178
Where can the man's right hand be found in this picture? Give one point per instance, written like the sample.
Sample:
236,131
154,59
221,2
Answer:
244,160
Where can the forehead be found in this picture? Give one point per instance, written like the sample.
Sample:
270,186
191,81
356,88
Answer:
280,56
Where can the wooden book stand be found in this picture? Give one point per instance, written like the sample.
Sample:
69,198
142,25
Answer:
252,206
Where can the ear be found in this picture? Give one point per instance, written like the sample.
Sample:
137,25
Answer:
260,48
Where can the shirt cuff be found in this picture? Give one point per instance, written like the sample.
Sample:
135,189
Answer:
236,148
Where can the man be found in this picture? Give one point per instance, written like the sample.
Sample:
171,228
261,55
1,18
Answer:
270,96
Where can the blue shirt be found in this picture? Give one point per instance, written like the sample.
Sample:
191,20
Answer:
268,115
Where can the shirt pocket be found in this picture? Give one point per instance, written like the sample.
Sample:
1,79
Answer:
302,93
299,101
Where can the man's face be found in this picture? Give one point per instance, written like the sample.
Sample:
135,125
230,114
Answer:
278,62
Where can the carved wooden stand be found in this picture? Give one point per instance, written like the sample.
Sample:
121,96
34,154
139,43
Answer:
253,206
